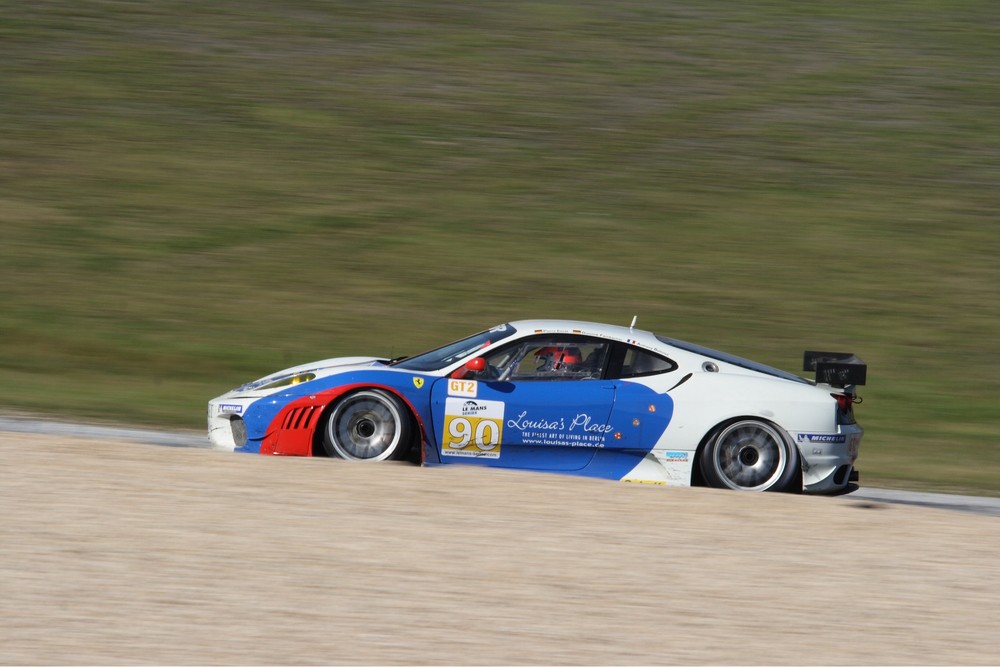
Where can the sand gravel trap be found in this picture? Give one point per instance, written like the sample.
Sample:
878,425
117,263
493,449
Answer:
115,553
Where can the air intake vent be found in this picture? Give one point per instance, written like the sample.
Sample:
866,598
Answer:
299,418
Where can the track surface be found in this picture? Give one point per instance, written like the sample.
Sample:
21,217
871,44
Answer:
979,504
114,553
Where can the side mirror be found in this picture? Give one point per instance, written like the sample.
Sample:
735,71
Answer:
469,370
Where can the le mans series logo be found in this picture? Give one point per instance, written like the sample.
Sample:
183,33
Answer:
472,428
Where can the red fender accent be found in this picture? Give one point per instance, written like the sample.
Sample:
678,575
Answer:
292,430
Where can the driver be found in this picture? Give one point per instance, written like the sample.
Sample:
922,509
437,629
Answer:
557,359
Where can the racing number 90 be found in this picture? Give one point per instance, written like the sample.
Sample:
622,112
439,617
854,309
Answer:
484,433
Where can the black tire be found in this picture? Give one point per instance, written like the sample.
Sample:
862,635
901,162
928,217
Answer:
368,425
751,455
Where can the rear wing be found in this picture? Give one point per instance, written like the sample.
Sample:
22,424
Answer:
837,369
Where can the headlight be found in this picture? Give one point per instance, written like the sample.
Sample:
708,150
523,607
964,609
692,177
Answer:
288,381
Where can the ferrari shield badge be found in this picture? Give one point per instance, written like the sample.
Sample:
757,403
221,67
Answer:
418,383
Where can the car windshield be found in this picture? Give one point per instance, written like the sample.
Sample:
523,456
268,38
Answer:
452,352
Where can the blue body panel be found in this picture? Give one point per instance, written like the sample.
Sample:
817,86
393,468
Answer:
260,414
597,428
594,428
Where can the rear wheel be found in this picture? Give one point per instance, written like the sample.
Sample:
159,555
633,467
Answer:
750,455
368,425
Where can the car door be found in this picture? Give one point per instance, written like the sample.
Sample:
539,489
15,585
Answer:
641,413
540,405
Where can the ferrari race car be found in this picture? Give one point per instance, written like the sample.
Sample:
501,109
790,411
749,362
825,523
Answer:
569,397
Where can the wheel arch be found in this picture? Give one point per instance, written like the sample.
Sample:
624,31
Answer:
698,479
418,436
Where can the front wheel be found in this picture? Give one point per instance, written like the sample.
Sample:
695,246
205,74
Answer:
751,455
368,425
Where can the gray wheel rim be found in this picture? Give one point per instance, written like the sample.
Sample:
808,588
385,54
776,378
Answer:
750,456
365,427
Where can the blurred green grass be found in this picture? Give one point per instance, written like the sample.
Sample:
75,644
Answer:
193,195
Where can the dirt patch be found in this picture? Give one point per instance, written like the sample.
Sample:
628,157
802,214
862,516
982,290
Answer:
115,552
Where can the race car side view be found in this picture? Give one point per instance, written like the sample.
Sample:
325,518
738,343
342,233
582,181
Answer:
570,397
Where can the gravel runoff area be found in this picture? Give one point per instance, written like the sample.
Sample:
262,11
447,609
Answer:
113,552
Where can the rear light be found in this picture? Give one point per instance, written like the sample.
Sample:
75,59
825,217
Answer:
844,402
845,408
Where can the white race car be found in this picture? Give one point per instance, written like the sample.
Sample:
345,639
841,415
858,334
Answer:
570,397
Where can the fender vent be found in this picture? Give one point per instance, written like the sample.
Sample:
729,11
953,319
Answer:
298,418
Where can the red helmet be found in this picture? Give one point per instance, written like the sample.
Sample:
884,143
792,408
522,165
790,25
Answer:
557,358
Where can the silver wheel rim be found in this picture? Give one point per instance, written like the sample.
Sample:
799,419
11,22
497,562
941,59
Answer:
750,456
365,427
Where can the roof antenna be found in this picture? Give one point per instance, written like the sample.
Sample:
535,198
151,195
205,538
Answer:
634,318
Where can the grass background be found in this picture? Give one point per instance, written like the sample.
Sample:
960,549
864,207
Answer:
195,194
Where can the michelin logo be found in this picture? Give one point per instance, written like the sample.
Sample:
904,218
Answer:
822,438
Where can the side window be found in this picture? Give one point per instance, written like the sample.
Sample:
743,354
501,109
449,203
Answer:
639,362
550,358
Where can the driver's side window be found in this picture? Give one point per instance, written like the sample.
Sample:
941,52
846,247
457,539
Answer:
549,358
